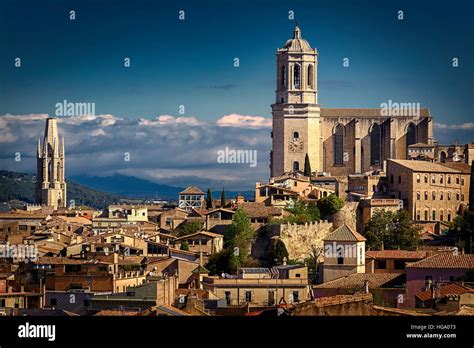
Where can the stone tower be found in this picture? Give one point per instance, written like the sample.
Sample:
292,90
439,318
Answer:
296,112
50,178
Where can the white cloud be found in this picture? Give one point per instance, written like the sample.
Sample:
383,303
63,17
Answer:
462,126
236,120
167,120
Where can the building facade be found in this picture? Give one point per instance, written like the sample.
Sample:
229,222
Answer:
50,187
429,191
339,141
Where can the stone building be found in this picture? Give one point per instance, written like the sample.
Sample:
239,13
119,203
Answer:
339,141
429,191
454,153
191,198
50,189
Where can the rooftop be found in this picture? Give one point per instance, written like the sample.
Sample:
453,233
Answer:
344,234
375,280
447,290
445,260
191,190
424,166
396,254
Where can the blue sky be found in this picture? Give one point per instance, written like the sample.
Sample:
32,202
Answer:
190,63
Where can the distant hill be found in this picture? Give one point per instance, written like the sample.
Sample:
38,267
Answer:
21,186
133,187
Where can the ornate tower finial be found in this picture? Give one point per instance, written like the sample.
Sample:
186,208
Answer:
297,31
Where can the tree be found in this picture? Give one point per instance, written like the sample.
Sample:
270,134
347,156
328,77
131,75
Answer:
189,227
307,166
300,213
330,205
185,245
277,252
392,230
209,199
223,199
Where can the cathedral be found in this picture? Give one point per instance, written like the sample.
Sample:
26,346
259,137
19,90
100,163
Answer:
337,141
50,179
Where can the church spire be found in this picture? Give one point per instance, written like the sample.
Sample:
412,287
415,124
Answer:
38,150
297,32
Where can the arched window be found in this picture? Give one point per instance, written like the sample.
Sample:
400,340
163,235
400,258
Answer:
375,145
297,76
426,215
296,135
311,76
411,135
283,76
433,215
433,195
441,196
418,178
449,215
296,166
449,179
426,195
338,145
418,217
441,179
426,179
441,215
449,196
442,157
418,196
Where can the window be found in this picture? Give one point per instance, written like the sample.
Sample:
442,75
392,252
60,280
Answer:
418,196
399,264
433,179
340,260
297,77
441,215
311,76
418,178
457,180
271,297
296,166
449,196
338,145
426,215
458,196
449,216
449,180
72,268
433,215
296,135
426,179
228,297
380,264
441,179
426,195
296,296
462,182
462,197
418,217
283,76
391,178
375,145
441,196
399,179
297,275
433,195
53,302
248,296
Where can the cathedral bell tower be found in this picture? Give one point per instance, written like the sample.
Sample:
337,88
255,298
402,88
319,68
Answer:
296,112
50,178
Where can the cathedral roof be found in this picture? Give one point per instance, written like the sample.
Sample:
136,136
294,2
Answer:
297,43
361,112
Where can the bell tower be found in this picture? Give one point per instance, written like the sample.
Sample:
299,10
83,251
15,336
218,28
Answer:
296,112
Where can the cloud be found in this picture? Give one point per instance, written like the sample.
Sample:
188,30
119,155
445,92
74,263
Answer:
236,120
462,126
177,151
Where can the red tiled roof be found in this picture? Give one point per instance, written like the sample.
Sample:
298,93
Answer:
344,234
341,299
447,290
375,280
445,260
396,254
259,210
191,190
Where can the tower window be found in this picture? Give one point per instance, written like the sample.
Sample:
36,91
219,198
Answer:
311,76
296,166
375,147
338,145
297,77
283,76
296,135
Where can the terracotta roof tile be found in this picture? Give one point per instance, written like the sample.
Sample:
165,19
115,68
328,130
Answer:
396,254
191,190
259,210
375,280
445,260
344,234
447,290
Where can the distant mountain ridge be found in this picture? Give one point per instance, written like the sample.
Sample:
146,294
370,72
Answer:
133,187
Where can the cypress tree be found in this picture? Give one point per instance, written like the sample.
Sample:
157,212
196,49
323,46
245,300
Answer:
222,198
307,166
209,199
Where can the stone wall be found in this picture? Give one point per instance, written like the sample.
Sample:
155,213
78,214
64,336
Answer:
298,239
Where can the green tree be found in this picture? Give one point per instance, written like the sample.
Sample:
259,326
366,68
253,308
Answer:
209,199
240,232
277,252
330,205
393,230
300,213
185,245
307,166
189,227
223,199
